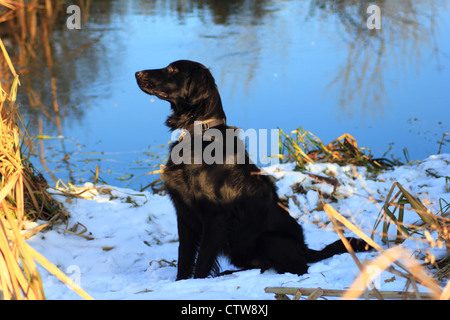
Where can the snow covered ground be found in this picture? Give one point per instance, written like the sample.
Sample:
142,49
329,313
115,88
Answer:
129,248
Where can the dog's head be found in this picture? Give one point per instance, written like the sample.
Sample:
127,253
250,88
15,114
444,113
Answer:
188,86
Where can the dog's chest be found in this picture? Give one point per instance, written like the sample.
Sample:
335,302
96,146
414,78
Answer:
180,179
174,177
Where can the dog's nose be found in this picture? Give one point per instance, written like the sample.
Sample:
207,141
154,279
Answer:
138,74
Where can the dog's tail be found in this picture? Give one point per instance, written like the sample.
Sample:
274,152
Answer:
336,247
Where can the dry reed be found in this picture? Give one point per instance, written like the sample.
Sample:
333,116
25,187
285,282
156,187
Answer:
303,147
22,196
397,260
428,222
411,269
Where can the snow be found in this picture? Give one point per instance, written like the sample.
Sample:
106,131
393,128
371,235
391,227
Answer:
129,247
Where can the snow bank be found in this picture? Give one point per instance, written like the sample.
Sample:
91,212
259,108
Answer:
129,247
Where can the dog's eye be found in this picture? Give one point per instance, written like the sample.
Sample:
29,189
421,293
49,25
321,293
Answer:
172,69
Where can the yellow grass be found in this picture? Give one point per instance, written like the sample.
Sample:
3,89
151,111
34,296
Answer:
304,147
397,255
19,276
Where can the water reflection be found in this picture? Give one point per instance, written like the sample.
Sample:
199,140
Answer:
73,63
223,12
408,29
69,76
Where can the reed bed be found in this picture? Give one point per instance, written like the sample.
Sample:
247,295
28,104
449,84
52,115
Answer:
23,197
410,269
428,222
396,260
303,147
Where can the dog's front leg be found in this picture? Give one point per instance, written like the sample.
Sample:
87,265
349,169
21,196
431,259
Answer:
211,243
187,249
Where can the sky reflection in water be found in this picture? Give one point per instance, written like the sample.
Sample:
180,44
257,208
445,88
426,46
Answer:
278,64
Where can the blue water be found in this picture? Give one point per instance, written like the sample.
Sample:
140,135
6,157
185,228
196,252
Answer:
279,64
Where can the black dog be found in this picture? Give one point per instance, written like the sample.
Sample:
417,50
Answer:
229,207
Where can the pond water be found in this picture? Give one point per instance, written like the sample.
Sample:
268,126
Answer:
313,64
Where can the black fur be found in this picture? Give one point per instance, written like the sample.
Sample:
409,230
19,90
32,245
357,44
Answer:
228,209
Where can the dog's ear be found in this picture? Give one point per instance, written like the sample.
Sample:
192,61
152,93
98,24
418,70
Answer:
201,86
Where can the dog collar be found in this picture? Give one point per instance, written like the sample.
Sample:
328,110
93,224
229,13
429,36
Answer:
203,125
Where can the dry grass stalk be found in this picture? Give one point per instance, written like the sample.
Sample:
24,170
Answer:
37,201
428,222
331,214
396,255
282,292
442,141
19,277
389,257
398,201
303,147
